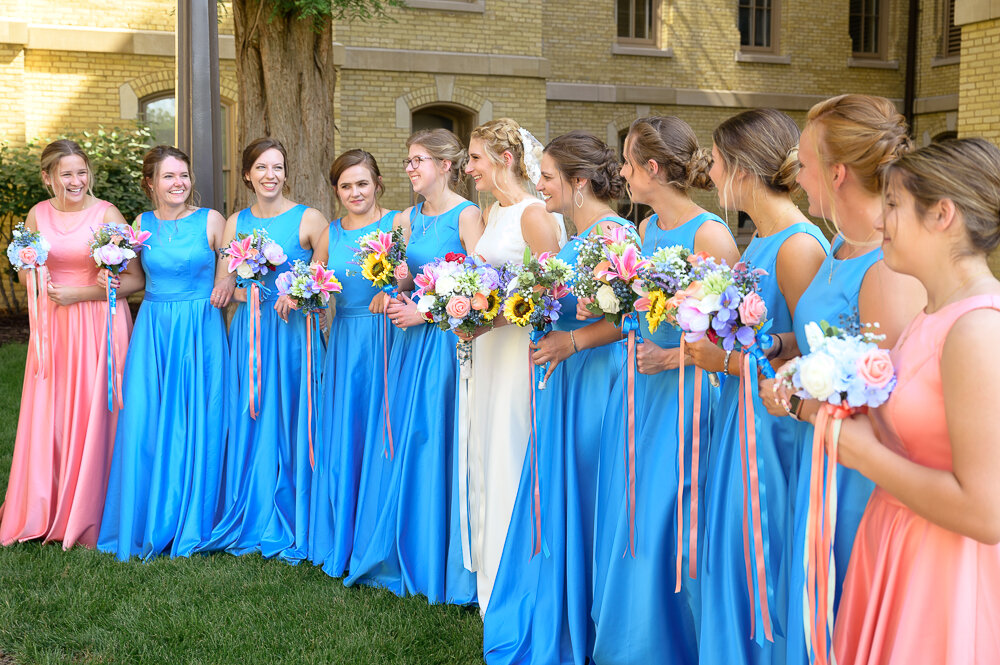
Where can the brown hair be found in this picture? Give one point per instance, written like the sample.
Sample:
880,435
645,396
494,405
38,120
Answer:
53,153
500,136
444,146
672,144
862,132
965,171
151,169
763,143
356,157
254,150
580,154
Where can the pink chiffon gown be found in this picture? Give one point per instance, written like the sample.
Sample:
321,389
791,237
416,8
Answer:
916,592
65,432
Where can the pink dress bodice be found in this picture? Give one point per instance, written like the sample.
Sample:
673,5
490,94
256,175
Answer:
70,262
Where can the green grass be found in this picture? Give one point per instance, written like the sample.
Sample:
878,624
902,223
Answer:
83,606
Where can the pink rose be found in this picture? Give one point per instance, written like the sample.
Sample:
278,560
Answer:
109,255
28,255
401,271
480,302
458,307
752,309
875,368
274,254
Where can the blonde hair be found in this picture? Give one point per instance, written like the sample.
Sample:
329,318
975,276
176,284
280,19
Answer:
965,171
53,153
763,143
444,146
500,136
864,133
672,144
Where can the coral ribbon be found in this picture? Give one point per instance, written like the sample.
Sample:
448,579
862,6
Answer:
254,349
695,454
37,316
114,373
538,540
309,382
630,326
390,291
752,499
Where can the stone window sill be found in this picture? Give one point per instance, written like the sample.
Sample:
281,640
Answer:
872,63
944,61
644,51
763,58
472,6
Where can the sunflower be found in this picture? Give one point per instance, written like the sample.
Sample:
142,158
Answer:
376,269
518,310
492,305
657,309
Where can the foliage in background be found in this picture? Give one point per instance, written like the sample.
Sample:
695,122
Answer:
116,157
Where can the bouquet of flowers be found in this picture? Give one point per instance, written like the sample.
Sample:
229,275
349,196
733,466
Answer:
668,272
28,250
607,271
253,255
308,285
382,258
532,291
846,371
459,293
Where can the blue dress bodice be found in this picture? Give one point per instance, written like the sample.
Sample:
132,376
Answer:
433,236
179,265
282,229
357,291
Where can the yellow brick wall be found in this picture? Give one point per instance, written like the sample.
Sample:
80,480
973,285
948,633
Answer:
933,80
131,15
12,101
979,96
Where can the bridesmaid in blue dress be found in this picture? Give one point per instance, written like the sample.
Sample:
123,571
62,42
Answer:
539,611
407,535
166,468
353,396
639,618
264,502
754,164
843,151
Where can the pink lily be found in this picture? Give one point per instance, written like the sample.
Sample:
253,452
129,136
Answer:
625,266
559,291
137,239
425,280
615,236
326,281
240,251
381,243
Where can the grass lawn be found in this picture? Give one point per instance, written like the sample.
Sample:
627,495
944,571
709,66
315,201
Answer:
85,607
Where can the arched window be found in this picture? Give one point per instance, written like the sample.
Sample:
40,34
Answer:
159,111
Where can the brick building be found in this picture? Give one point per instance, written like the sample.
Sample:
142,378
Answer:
554,65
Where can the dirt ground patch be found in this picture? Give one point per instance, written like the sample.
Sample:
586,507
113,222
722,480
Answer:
13,328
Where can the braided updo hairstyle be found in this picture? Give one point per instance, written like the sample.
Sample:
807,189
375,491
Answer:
500,136
672,144
444,146
580,154
862,132
763,143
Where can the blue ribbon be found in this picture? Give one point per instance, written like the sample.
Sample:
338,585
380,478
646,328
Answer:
540,370
112,361
756,350
630,323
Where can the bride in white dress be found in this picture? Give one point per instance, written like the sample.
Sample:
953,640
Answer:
493,410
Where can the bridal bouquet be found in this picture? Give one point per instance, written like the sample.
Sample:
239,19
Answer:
458,293
28,249
607,271
308,285
382,258
253,255
668,272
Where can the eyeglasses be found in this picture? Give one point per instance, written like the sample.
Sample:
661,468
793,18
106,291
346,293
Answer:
414,162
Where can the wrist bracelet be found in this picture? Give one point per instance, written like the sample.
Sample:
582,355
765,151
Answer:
725,363
572,338
780,347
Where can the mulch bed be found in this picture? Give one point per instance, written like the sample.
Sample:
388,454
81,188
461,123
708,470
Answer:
13,328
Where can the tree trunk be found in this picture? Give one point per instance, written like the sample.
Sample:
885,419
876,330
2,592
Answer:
287,79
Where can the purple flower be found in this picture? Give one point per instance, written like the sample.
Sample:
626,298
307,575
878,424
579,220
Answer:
284,282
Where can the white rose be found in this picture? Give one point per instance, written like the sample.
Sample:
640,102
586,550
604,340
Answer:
709,304
129,254
816,373
814,336
244,271
445,285
607,300
425,304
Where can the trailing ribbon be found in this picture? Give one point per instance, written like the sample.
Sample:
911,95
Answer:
309,384
630,328
470,558
391,291
114,375
538,540
254,343
695,454
763,339
37,316
754,496
821,525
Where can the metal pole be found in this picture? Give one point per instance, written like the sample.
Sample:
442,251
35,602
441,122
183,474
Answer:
199,116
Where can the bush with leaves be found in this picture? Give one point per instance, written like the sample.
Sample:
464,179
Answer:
116,158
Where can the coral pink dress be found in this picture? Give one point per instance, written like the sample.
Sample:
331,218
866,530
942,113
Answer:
916,592
65,432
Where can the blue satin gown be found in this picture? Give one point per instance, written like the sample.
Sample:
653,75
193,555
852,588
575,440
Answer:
352,402
167,462
264,503
727,608
539,611
407,536
638,616
832,294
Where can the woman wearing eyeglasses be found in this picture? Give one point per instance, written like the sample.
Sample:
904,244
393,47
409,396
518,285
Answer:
406,535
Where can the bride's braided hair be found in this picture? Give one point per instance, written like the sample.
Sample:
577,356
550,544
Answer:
500,136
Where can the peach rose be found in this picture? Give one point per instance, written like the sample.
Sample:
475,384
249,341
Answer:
458,307
875,368
401,271
28,255
480,302
752,309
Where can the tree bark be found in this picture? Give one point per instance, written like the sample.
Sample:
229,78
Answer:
287,80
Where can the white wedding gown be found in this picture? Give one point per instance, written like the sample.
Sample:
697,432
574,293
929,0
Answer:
496,414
